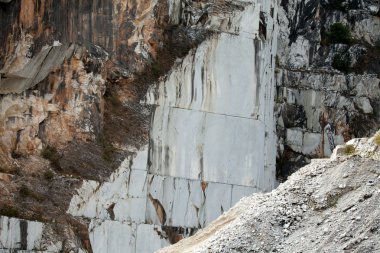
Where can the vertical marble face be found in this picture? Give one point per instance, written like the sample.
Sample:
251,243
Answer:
212,142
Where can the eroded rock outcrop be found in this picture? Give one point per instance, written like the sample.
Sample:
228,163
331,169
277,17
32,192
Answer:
31,236
327,78
51,101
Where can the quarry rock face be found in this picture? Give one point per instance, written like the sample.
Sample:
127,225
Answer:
54,66
31,236
56,61
329,205
126,126
204,154
323,101
158,193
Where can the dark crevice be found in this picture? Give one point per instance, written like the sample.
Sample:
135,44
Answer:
23,234
175,234
111,212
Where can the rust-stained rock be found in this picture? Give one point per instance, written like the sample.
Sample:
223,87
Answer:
159,209
17,79
125,30
67,105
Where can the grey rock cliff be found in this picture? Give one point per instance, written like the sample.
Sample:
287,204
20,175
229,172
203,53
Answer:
327,78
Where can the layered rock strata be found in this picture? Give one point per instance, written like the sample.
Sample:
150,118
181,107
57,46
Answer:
327,83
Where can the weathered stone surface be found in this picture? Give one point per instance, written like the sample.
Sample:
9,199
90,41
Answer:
59,63
364,105
36,70
211,143
212,136
30,236
313,93
183,145
20,234
328,205
111,26
294,138
120,239
68,109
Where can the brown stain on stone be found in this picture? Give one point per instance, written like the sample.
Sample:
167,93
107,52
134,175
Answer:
111,211
204,186
173,234
160,211
27,14
323,119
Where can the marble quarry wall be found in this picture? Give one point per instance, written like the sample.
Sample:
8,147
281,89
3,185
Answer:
24,236
212,141
164,113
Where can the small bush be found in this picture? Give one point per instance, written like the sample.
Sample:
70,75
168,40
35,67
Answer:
48,175
349,149
339,33
9,211
376,139
341,62
51,154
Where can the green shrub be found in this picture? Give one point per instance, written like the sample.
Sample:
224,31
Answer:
349,149
51,154
9,211
339,33
341,62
